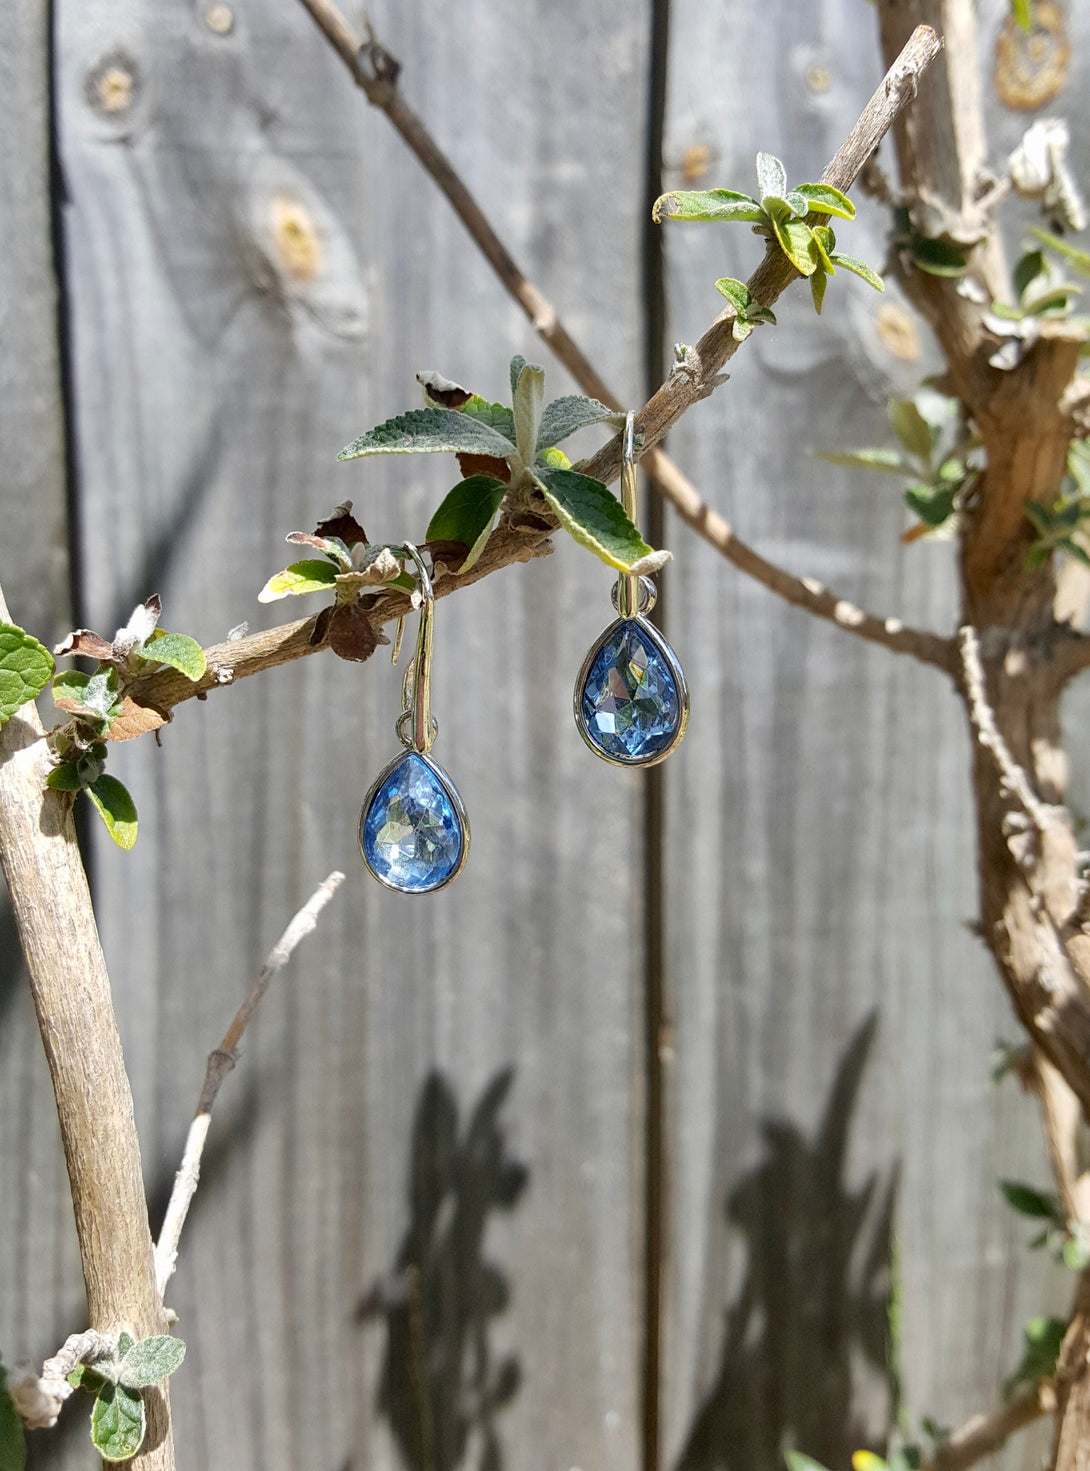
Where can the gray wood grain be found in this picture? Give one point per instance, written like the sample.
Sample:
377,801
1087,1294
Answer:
213,389
820,858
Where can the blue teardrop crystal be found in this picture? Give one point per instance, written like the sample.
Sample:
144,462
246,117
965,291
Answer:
412,834
631,706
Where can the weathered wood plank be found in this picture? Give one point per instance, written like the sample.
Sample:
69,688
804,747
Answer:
257,272
820,858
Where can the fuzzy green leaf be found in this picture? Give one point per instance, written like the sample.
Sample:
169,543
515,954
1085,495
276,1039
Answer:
12,1439
300,577
594,516
933,505
737,293
797,203
818,282
824,244
859,268
176,649
430,431
25,668
796,241
150,1360
771,176
117,1423
887,460
467,513
97,695
1029,1202
529,400
1080,259
566,415
496,416
937,257
518,362
116,808
911,428
824,199
64,778
710,205
1031,265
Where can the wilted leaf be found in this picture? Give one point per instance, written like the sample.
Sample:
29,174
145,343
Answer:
134,720
443,392
332,546
429,431
117,1422
116,808
300,577
351,635
84,641
150,1360
341,524
594,516
25,668
466,515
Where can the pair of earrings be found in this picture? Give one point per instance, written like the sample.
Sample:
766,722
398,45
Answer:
631,708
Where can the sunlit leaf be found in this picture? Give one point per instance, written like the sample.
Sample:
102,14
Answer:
300,577
824,199
594,516
771,176
116,808
117,1422
178,650
25,668
566,415
466,515
429,431
711,205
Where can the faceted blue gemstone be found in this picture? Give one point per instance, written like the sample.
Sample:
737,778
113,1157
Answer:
411,832
631,705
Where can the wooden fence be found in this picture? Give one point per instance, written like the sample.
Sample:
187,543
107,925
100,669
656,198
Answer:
420,1236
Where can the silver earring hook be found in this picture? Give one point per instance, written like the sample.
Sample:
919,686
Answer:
416,687
628,602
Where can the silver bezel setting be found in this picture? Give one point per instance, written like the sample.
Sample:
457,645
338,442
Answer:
666,652
455,801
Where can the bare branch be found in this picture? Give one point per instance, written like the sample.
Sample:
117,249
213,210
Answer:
984,1434
220,1062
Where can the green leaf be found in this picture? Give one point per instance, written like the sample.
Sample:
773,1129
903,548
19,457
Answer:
932,504
1058,299
12,1439
594,516
1080,259
710,205
25,668
1044,1338
64,778
822,242
496,416
528,402
566,415
796,241
1039,517
737,293
1076,1254
818,282
300,577
150,1360
887,460
116,808
117,1423
1022,10
518,362
97,695
176,649
1029,1202
859,268
466,515
911,428
824,199
430,431
1031,265
771,176
799,1462
937,257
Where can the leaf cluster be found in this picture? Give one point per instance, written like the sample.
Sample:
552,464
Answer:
509,456
937,454
101,708
118,1418
1065,1241
1061,527
794,218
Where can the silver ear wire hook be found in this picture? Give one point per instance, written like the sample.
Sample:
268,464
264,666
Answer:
416,713
628,588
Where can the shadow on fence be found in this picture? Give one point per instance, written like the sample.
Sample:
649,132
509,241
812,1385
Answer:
440,1386
815,1297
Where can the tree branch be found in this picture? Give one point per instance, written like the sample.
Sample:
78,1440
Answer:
984,1434
220,1062
376,72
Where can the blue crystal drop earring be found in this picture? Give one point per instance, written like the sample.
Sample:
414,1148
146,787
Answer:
414,833
631,699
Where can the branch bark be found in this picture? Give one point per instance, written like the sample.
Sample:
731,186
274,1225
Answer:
70,986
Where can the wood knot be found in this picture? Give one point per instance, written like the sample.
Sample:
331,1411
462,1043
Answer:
1031,66
297,238
113,84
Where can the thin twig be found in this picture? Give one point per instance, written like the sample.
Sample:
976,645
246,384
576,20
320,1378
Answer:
983,718
220,1062
39,1398
376,73
984,1434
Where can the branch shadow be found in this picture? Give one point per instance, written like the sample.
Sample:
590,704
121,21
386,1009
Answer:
814,1303
441,1386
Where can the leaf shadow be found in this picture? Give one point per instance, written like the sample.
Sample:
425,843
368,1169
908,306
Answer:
442,1386
815,1300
